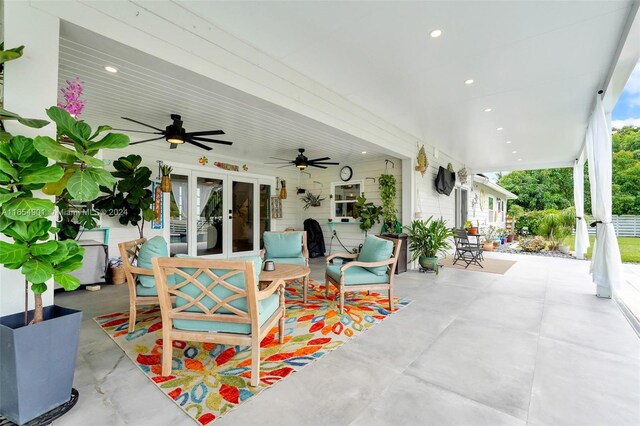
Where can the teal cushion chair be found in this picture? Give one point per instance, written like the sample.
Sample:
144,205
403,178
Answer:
286,247
136,258
372,269
213,300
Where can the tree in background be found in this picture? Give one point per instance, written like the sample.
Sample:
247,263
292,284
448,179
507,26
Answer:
553,188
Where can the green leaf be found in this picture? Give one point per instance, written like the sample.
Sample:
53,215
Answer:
68,282
26,209
37,271
149,215
52,149
49,174
99,130
56,188
34,123
5,151
111,141
39,229
43,249
59,255
13,253
22,149
82,187
38,288
6,197
18,232
66,124
5,136
82,129
91,161
10,54
101,177
8,169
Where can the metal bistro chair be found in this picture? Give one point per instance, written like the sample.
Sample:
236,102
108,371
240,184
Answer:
469,253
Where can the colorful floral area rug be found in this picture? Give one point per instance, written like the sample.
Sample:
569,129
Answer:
208,379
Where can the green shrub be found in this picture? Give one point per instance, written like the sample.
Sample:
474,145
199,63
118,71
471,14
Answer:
532,221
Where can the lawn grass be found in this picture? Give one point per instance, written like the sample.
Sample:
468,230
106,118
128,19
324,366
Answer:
629,247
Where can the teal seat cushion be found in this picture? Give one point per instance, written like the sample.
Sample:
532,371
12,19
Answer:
267,307
282,244
146,291
154,247
291,260
356,275
376,249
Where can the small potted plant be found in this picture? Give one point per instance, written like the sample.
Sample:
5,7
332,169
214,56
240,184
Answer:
165,182
428,238
489,236
471,230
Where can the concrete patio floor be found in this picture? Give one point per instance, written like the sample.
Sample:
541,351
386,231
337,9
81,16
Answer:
533,346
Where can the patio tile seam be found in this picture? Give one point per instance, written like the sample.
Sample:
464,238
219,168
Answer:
484,404
600,351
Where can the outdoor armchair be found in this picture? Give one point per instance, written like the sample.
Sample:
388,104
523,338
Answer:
286,247
372,269
216,301
136,258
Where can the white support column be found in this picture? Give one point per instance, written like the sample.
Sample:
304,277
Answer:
582,235
30,86
408,194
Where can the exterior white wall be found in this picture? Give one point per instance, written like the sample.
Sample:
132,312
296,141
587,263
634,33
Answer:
349,233
30,86
479,212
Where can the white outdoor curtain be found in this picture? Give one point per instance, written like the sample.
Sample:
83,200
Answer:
582,236
606,265
181,187
205,192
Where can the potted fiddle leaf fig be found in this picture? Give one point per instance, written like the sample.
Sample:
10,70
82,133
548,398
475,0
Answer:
129,198
367,212
41,381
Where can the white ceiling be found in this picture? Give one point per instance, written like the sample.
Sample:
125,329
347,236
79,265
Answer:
538,65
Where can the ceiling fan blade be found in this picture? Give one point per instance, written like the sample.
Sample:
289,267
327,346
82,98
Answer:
141,123
324,163
173,146
139,131
197,138
319,159
282,167
199,145
206,132
288,162
147,140
281,159
315,165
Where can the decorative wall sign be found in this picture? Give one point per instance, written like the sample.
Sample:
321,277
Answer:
158,222
203,160
276,207
227,166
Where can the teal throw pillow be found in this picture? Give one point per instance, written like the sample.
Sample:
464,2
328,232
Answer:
154,247
376,249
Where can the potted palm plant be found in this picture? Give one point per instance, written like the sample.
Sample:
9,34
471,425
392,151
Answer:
427,238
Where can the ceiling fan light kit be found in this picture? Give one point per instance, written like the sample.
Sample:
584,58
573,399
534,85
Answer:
302,162
176,135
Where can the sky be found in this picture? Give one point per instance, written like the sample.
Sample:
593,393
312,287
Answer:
627,110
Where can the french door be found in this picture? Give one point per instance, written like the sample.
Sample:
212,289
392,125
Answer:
213,214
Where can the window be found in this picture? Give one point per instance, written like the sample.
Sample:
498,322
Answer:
343,197
491,215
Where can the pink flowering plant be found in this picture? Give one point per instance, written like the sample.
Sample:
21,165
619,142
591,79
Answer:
72,102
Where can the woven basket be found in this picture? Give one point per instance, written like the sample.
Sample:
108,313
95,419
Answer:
117,275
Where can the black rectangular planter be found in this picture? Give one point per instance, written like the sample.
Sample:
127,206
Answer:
38,362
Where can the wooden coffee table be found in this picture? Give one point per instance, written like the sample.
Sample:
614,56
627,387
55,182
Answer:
287,271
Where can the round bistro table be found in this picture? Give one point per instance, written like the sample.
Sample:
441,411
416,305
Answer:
287,271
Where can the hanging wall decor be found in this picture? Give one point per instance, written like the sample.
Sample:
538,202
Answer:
463,175
423,163
283,189
276,207
203,160
226,166
450,168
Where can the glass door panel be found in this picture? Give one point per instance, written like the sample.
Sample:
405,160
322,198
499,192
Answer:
265,210
243,220
179,214
209,209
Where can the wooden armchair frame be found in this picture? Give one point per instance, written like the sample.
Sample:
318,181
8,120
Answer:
129,251
163,266
342,288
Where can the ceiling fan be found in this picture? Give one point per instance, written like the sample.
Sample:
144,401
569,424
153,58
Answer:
302,162
175,134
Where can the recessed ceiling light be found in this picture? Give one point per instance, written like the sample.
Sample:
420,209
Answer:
364,152
508,141
519,159
435,33
514,152
470,81
487,110
109,68
499,129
